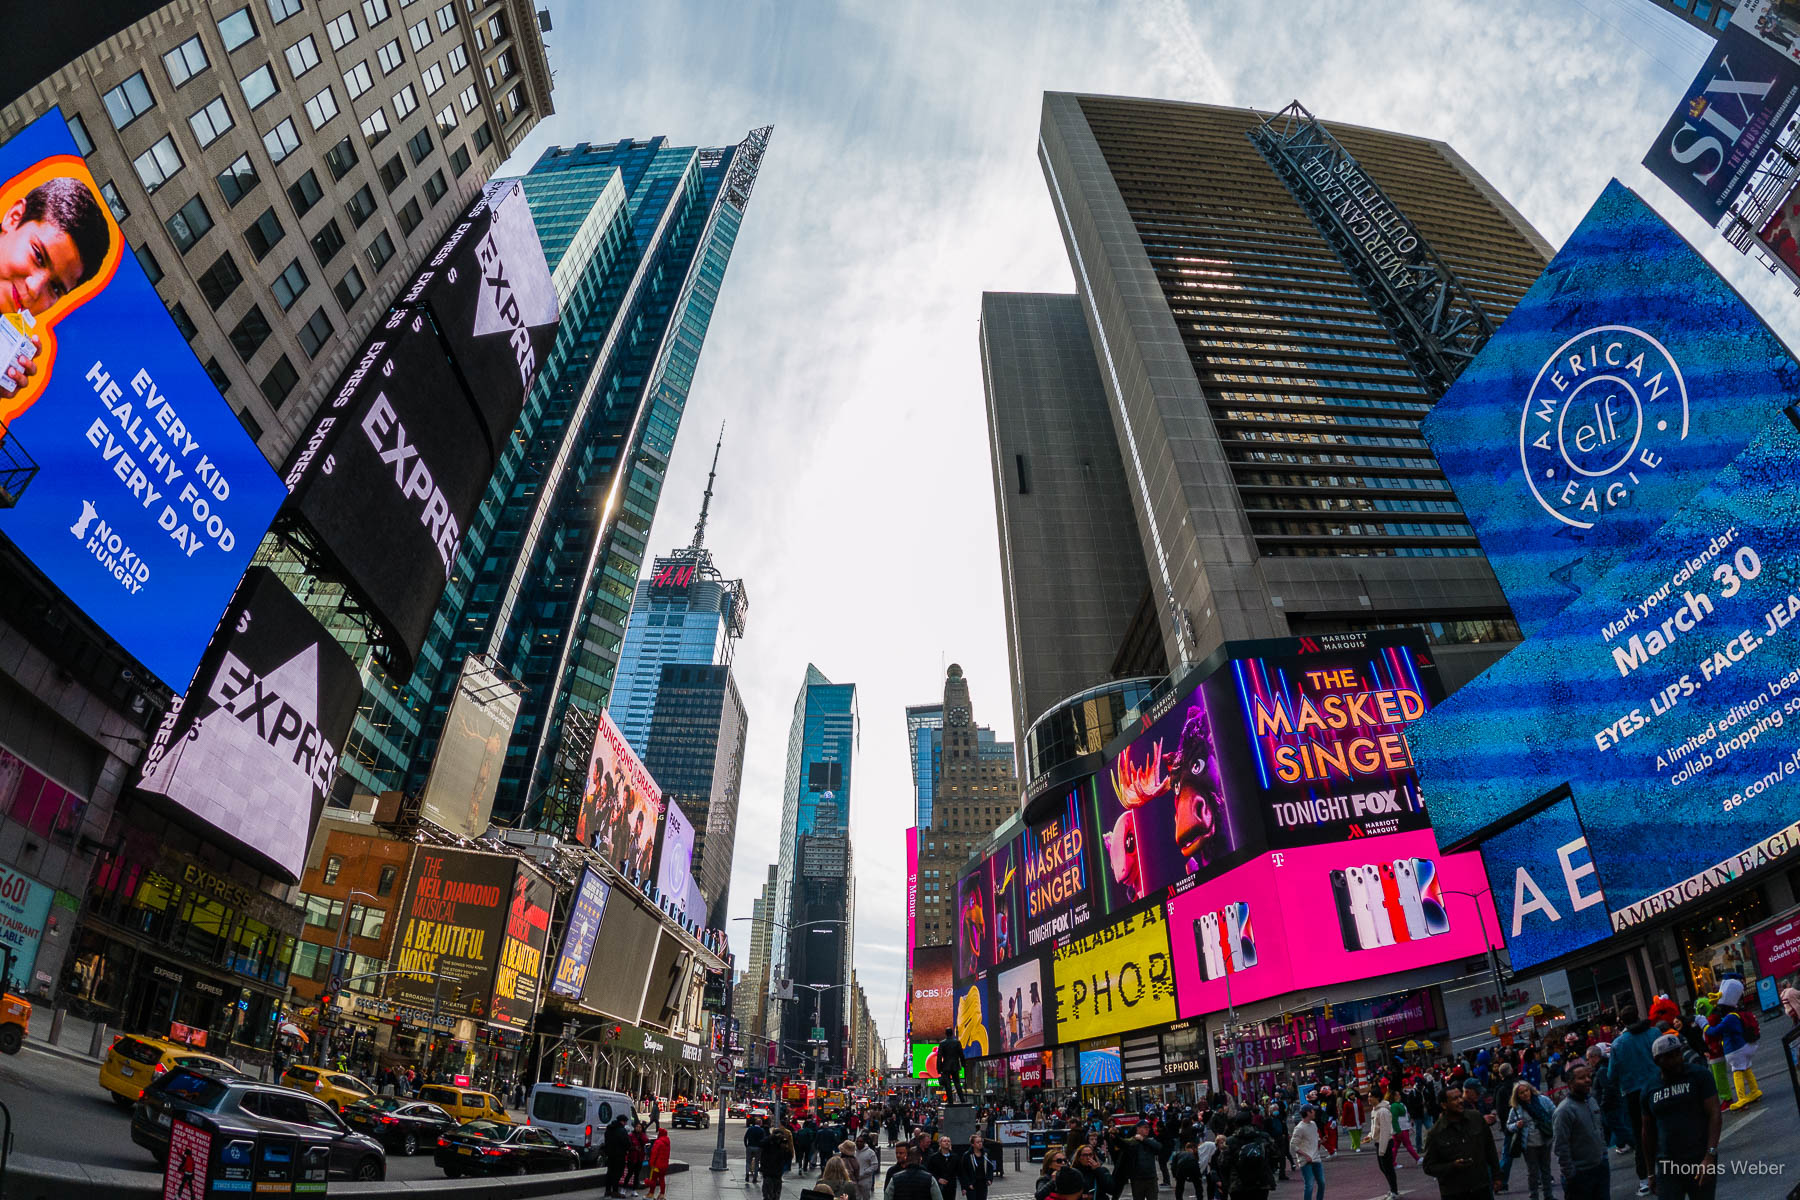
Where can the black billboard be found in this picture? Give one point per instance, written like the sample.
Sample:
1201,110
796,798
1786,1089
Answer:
490,298
394,465
453,919
252,748
520,974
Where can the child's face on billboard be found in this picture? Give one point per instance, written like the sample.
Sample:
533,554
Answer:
39,264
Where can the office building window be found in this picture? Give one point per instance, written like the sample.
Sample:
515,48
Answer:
327,242
446,120
380,250
484,137
157,165
211,122
114,201
340,158
281,380
385,883
315,333
152,268
496,28
290,285
458,58
251,425
281,10
250,333
190,223
129,101
406,100
184,322
419,145
433,78
420,35
459,160
258,86
358,80
392,173
435,187
470,99
349,288
410,216
505,65
78,128
281,141
305,192
185,61
375,127
222,381
374,12
322,107
237,28
220,280
264,233
361,206
341,31
302,56
515,102
238,180
390,57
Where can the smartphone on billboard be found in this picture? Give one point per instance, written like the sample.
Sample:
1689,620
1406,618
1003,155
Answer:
1340,892
1390,902
1406,875
1381,931
1242,937
1206,943
1431,898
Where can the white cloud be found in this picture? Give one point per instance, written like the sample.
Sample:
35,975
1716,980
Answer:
854,493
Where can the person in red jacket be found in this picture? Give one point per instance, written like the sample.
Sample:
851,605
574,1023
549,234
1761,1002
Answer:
658,1182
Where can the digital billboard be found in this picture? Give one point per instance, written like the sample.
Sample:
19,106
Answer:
621,804
1053,858
1020,992
390,471
491,299
912,893
1625,378
578,940
1726,120
975,920
1116,978
24,907
675,865
933,1006
1660,699
133,486
253,747
974,1017
522,949
924,1062
1100,1064
452,919
465,770
1545,891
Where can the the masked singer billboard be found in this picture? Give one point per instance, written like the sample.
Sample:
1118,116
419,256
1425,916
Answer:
148,498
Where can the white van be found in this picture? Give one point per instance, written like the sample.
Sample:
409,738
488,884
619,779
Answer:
577,1115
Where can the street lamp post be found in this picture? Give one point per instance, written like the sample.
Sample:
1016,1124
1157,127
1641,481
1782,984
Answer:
818,989
437,982
1493,956
340,946
816,926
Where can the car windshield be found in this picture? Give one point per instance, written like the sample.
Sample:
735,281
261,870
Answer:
379,1103
488,1130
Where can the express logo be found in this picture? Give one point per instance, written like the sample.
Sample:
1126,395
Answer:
1603,413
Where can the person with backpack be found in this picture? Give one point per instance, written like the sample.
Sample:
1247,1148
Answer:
1459,1152
1247,1164
1530,1121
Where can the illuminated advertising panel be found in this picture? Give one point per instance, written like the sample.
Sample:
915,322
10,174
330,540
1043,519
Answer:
1660,698
522,950
924,1062
933,1006
390,471
620,805
1053,860
1726,120
974,1016
675,866
24,907
1229,926
1626,377
1116,978
578,941
124,476
1020,1005
1545,891
252,749
1100,1064
452,919
912,893
975,920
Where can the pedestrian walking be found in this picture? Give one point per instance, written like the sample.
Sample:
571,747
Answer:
908,1180
942,1164
1529,1122
868,1163
754,1136
1459,1152
1632,1069
1381,1135
1247,1163
975,1170
616,1145
777,1156
1681,1125
1304,1147
657,1182
1578,1139
1134,1161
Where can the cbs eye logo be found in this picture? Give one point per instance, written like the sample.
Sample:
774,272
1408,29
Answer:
1606,410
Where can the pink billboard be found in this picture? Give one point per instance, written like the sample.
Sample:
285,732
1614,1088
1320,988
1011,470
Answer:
912,890
1309,916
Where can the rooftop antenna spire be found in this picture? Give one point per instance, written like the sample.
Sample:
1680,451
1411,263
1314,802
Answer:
706,500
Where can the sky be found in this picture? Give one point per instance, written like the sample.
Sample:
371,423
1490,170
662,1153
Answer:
854,494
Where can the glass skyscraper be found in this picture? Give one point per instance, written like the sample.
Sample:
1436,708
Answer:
638,235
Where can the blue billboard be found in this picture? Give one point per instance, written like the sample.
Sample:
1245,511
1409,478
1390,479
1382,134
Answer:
1663,699
578,941
1545,891
1626,377
133,487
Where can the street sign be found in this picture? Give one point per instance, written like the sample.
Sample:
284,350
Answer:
723,1067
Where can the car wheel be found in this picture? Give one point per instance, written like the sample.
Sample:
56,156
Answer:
369,1170
452,1173
160,1158
11,1038
518,1169
409,1145
120,1101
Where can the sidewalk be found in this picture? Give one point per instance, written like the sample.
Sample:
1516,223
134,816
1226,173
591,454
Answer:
77,1036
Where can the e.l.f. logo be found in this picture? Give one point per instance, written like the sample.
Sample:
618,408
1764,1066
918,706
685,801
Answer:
1722,111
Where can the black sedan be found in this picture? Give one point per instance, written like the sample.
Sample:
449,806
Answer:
403,1126
485,1148
690,1116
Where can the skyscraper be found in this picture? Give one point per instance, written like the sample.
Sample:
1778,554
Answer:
638,235
921,721
814,876
752,1000
1264,411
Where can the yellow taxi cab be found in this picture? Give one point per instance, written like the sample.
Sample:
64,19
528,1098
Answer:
336,1088
464,1104
133,1062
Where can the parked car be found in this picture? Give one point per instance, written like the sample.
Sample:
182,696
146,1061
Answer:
243,1108
576,1115
486,1148
465,1104
336,1088
134,1063
690,1116
402,1126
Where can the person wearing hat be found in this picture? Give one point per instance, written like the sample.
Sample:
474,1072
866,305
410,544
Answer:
1738,1035
1681,1124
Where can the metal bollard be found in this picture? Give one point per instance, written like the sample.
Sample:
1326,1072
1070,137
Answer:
97,1044
1015,1160
56,1022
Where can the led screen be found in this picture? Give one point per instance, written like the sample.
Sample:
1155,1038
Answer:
974,1017
252,749
675,865
1053,858
1116,978
389,473
1627,376
578,941
1020,992
621,804
24,907
1662,698
522,950
975,920
933,1007
1100,1065
1545,891
924,1062
124,477
452,919
465,769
